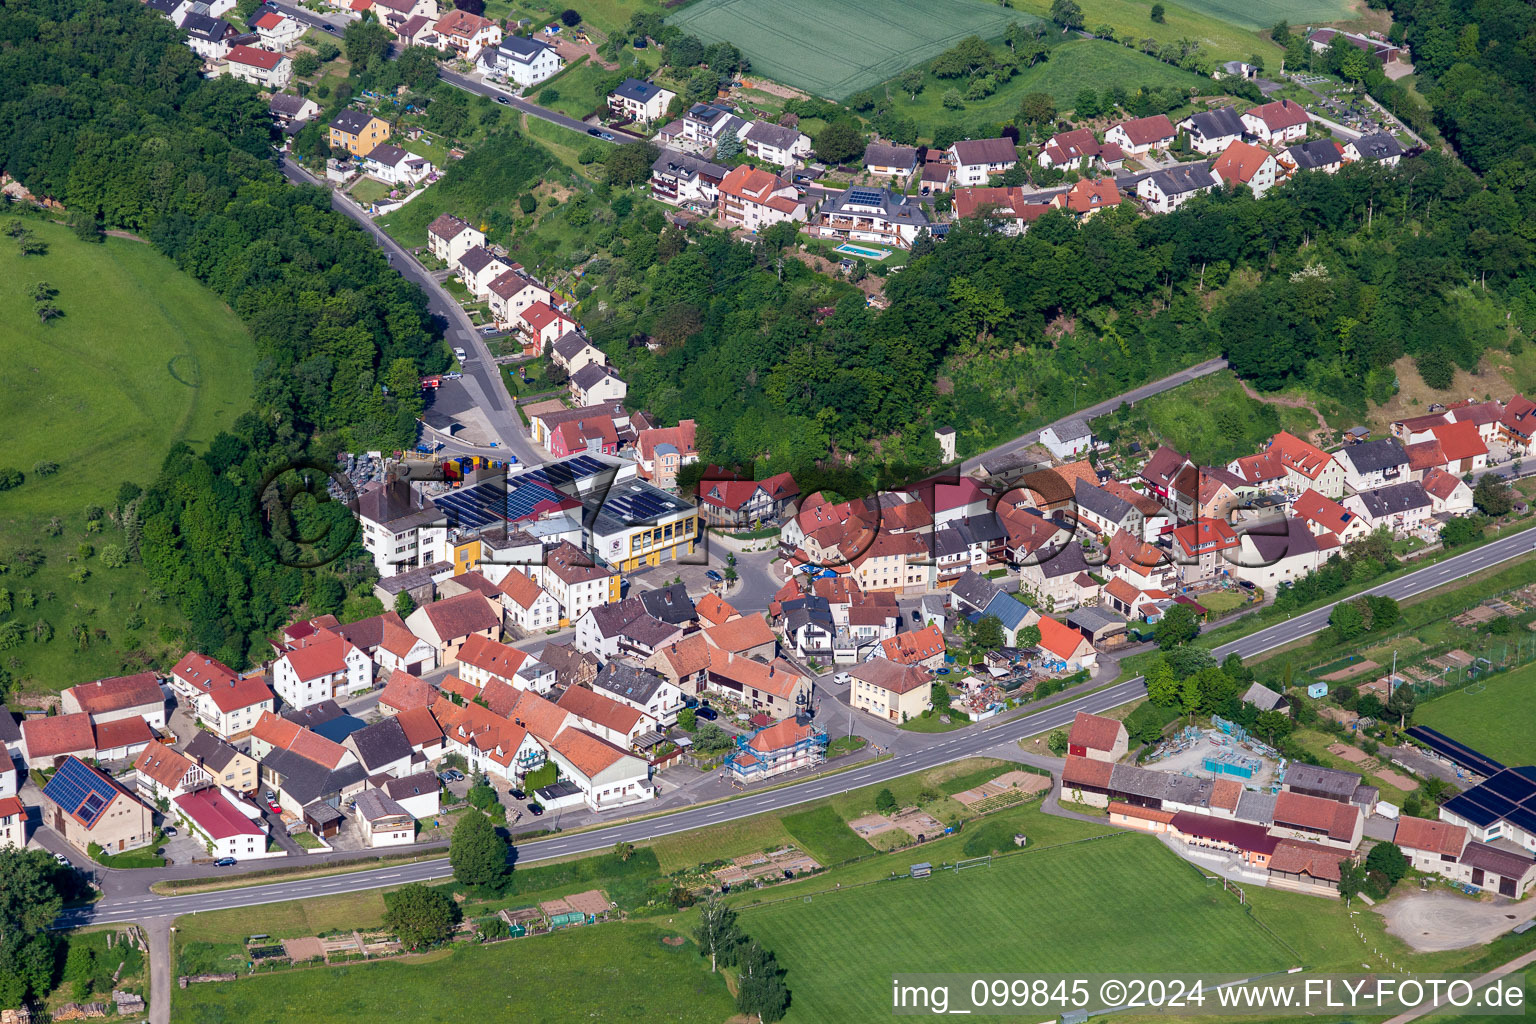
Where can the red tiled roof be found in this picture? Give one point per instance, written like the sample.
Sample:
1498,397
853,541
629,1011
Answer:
714,609
490,656
274,729
780,735
1094,732
688,655
251,56
406,692
1460,440
1440,484
541,717
1281,114
1426,454
1145,131
59,734
271,19
1519,416
162,764
890,675
212,813
779,679
604,711
915,646
1325,512
520,589
1086,771
1089,194
1240,162
1335,819
739,635
589,754
1303,858
1132,811
1205,535
319,655
1430,836
1058,638
118,693
1304,457
420,726
459,616
125,732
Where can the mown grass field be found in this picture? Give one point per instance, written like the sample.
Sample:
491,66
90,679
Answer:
609,972
834,48
1258,14
142,357
1500,721
823,834
1223,38
1073,66
1071,908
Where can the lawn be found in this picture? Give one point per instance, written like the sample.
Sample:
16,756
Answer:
607,972
483,188
721,842
822,833
1223,38
1500,720
142,357
837,47
1072,67
369,190
1044,911
933,723
1212,420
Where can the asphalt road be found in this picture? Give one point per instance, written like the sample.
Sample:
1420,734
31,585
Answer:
1134,395
936,750
481,373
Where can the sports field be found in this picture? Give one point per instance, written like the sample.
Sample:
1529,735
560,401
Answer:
834,48
1499,721
1119,903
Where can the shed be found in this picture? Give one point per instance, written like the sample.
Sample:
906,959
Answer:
324,819
1317,690
922,870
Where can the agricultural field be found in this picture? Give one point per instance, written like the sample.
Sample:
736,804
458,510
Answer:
834,48
1222,37
142,357
1052,902
1497,720
576,974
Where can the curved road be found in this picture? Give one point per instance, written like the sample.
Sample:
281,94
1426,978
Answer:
943,749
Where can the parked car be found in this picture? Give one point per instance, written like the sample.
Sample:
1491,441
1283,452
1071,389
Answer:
712,574
503,99
594,133
706,712
535,810
62,859
690,702
170,832
842,679
518,794
455,375
459,354
451,775
225,862
607,137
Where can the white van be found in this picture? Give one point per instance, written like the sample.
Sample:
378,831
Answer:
842,679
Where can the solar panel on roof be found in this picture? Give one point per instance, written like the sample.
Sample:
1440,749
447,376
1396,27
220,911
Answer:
1511,787
1524,818
1473,812
79,791
865,197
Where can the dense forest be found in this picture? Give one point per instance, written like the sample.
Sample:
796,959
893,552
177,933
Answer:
103,109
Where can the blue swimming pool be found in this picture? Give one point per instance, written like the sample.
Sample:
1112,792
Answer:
849,249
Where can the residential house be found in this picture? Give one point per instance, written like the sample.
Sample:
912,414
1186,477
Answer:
782,747
640,101
864,214
1068,438
13,823
322,667
478,267
541,323
395,166
623,628
118,698
705,124
1243,163
1012,614
683,663
1292,465
382,748
1372,464
1052,573
85,807
1326,517
468,35
924,647
1318,155
576,582
276,32
418,30
164,774
1273,553
1381,148
1277,122
1448,495
1011,208
448,237
776,144
753,199
595,384
1088,196
884,560
526,605
392,518
776,688
392,646
1126,598
890,690
611,720
1203,548
265,69
406,693
1517,425
1066,645
218,698
382,821
512,293
937,176
661,451
1071,150
500,746
1400,508
393,14
682,179
209,37
976,160
1140,136
1462,446
419,795
887,161
524,61
606,776
225,765
642,689
1166,190
359,132
1142,564
573,353
1161,469
1212,131
289,111
1104,514
744,635
447,624
742,503
1103,739
482,660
